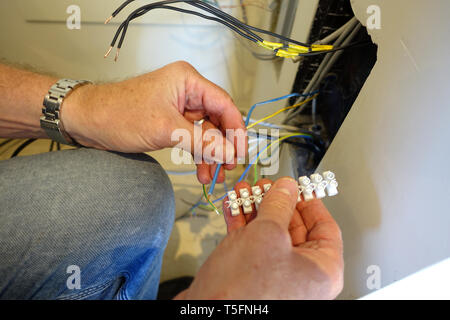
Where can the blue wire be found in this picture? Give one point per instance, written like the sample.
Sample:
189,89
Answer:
214,180
216,174
246,171
275,100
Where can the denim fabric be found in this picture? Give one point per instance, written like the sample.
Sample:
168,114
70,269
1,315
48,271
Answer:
108,213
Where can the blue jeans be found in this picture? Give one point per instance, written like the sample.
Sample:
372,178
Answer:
83,224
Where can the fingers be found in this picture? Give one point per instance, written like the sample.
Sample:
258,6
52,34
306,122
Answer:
279,202
297,229
221,175
318,221
203,173
202,94
204,141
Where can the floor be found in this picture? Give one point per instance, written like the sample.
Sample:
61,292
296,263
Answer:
193,237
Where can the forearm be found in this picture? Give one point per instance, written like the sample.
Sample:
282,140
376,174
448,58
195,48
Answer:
21,96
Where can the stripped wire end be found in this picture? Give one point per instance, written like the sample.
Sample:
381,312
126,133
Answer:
108,52
117,55
108,20
209,201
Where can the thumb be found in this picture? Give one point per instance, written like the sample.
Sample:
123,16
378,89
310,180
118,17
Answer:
206,143
279,203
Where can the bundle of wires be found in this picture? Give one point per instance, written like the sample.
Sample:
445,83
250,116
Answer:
289,48
311,96
246,171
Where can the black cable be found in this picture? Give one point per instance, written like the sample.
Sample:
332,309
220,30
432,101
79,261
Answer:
122,6
219,13
52,143
220,16
211,18
124,26
145,9
232,27
222,13
4,143
22,146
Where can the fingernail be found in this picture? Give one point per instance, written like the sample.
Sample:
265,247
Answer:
288,179
289,185
284,190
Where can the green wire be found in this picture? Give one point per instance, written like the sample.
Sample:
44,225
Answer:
255,174
205,194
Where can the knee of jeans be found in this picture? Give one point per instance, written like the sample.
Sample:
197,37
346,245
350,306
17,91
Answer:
142,198
153,203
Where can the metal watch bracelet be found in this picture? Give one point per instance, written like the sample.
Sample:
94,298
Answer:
51,111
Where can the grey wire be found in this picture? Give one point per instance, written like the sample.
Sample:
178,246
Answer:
328,62
350,23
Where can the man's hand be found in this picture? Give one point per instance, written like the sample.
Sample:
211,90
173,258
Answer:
285,251
140,115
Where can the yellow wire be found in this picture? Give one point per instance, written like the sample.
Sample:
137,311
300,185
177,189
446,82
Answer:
256,162
209,201
281,139
293,50
282,110
276,141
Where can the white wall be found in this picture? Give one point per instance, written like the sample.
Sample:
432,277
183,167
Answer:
391,155
34,32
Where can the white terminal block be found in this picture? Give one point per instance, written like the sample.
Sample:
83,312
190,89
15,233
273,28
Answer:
246,201
316,178
332,188
328,176
320,189
317,186
257,196
233,203
308,192
304,181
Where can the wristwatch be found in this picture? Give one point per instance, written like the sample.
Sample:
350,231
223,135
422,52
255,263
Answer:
51,112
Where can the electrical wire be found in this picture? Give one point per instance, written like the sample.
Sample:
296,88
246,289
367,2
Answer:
252,108
163,4
22,146
348,33
256,159
292,49
216,173
209,201
4,143
282,110
333,36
